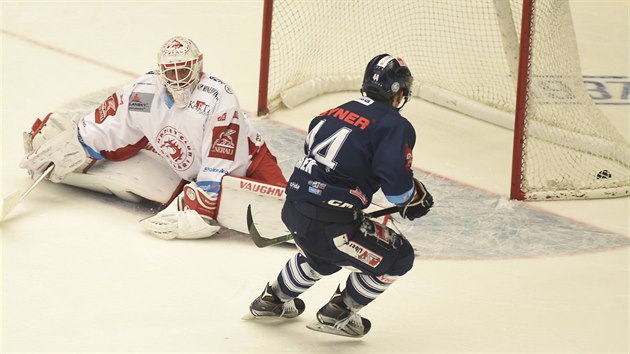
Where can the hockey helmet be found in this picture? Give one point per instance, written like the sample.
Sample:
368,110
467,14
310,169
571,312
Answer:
385,76
180,66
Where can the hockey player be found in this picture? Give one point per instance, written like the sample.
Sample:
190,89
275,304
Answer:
350,152
173,128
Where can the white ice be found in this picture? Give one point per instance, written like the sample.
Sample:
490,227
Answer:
79,275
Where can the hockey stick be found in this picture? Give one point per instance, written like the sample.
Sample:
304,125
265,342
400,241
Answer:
9,203
264,242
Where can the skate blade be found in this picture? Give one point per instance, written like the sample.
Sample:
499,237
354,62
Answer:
249,316
324,328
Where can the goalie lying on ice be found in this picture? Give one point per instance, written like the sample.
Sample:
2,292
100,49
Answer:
169,137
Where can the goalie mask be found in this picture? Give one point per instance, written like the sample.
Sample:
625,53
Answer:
180,66
385,76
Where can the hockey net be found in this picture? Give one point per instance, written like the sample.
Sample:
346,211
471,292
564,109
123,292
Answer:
465,56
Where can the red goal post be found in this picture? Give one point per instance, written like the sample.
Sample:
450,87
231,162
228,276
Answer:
513,63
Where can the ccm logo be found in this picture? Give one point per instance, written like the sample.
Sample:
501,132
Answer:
340,204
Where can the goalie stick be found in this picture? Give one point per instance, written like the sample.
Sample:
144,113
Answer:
9,203
264,242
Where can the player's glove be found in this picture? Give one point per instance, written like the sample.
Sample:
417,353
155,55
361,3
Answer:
419,205
196,199
191,215
53,140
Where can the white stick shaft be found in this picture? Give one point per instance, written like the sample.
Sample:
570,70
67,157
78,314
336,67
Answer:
9,203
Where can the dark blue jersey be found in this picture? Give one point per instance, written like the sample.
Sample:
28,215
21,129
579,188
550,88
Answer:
350,152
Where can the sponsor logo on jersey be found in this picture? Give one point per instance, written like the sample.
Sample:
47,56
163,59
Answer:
223,117
317,184
314,190
174,146
200,106
262,188
213,78
359,194
209,89
140,102
357,251
294,186
225,142
215,170
316,187
107,109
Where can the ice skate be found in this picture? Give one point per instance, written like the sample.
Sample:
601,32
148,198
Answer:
336,318
268,305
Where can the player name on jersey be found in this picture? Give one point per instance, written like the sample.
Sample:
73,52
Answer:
348,117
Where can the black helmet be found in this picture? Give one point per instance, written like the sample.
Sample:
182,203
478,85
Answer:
385,75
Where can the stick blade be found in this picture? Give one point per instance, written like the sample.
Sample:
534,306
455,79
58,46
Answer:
260,241
9,203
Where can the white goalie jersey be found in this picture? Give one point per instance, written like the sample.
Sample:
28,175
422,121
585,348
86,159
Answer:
174,137
202,141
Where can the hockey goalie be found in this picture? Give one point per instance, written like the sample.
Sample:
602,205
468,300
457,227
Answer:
176,136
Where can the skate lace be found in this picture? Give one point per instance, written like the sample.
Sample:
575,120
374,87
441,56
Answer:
353,318
288,307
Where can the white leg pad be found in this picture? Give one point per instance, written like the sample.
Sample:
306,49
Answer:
266,201
144,176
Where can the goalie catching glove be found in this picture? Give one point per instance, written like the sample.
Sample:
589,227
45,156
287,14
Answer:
191,215
54,140
419,205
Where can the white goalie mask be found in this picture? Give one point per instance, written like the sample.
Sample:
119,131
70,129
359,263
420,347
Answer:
180,65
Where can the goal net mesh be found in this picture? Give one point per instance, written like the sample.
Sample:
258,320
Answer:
463,55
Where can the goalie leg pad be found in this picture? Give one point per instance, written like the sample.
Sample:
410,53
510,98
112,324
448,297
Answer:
144,176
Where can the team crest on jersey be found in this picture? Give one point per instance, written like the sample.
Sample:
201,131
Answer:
174,146
141,102
408,157
108,108
225,142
